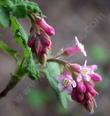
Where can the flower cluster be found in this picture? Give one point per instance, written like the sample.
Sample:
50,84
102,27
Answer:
79,81
39,40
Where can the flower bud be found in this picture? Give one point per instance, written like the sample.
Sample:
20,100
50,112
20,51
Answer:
78,47
46,27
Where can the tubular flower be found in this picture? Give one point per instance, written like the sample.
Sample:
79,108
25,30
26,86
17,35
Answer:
78,47
31,43
40,45
43,44
66,82
45,26
85,92
86,72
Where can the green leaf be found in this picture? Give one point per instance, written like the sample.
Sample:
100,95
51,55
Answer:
4,17
20,36
34,7
32,68
8,50
36,98
17,1
20,10
52,71
64,99
4,2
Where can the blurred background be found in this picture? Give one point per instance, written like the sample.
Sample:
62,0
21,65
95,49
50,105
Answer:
90,21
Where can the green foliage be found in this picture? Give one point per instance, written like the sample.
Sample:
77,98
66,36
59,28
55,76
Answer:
32,68
10,10
36,98
20,10
8,50
99,53
4,2
22,38
64,99
4,17
52,72
20,35
33,7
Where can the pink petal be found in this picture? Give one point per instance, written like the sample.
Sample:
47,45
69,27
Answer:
81,87
93,67
69,89
91,89
76,67
96,77
61,78
80,46
71,50
46,27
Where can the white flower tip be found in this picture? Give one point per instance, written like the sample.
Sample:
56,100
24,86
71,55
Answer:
85,63
73,84
85,54
76,39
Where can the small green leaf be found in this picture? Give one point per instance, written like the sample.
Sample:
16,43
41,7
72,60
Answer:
20,10
64,99
20,36
32,68
34,7
8,50
52,71
4,17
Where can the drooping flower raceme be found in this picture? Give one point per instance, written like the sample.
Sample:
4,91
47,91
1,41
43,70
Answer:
85,92
78,81
78,47
66,82
39,41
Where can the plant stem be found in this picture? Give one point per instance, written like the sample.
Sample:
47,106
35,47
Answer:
15,78
63,62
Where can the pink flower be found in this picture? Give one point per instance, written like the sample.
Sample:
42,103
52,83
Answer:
31,43
78,47
43,44
86,72
85,92
40,44
66,82
45,26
